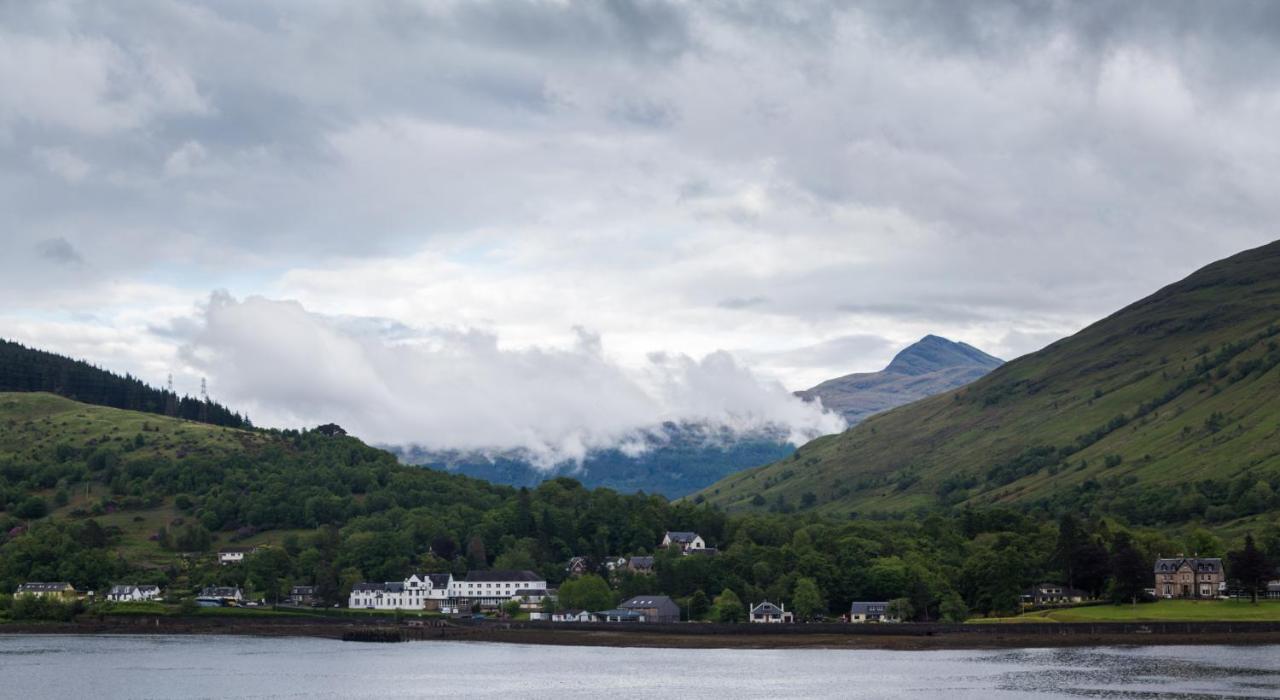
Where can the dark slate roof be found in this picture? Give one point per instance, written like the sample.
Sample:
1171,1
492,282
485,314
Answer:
219,592
661,603
681,536
367,587
394,586
485,576
1207,565
41,586
121,590
148,587
766,608
439,580
530,591
869,607
641,562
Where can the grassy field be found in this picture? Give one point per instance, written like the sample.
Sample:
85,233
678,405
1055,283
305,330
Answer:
1161,611
1197,356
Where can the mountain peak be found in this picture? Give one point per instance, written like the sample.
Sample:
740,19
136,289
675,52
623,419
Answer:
933,352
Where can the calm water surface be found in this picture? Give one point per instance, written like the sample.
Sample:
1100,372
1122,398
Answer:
41,666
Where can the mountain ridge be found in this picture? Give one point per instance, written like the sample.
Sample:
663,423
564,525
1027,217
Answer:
929,366
1163,411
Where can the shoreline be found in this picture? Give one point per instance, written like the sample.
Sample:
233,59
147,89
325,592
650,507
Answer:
903,638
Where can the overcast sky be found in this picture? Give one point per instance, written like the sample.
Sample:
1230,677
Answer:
547,223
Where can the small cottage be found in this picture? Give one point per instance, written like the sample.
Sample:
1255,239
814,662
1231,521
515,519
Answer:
768,613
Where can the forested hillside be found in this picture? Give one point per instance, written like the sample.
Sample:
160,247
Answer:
28,369
1167,412
96,496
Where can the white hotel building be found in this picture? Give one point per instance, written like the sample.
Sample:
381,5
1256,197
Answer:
442,592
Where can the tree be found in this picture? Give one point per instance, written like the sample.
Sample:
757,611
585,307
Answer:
901,609
1066,552
728,607
476,554
589,592
511,607
1249,568
953,608
32,508
1130,571
266,570
699,605
807,600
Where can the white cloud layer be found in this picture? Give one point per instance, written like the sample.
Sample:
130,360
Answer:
448,389
805,187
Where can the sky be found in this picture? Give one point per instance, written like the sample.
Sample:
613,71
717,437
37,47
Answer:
548,224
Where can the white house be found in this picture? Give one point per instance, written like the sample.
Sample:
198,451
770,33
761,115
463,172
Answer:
417,592
768,613
131,593
688,541
234,555
493,588
573,616
871,612
40,589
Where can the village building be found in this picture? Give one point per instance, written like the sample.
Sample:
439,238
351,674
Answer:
619,615
687,541
768,613
653,608
573,616
490,589
640,565
578,566
41,589
129,593
416,592
234,555
615,563
1052,594
219,596
1189,577
302,596
874,611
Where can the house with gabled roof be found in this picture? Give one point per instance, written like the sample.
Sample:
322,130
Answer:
687,541
1189,577
131,593
43,589
640,565
653,608
873,611
768,613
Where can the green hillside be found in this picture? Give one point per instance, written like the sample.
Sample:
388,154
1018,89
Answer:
1166,411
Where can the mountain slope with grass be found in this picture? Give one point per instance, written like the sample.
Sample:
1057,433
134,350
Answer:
929,366
1166,411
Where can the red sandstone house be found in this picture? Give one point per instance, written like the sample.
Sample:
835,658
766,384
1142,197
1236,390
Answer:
1189,577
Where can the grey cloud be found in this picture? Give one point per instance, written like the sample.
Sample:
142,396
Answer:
741,302
59,250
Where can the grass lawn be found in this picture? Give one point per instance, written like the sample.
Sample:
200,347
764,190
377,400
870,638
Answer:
1161,611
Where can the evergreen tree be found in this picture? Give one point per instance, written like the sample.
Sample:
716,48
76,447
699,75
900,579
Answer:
807,599
1130,571
1249,568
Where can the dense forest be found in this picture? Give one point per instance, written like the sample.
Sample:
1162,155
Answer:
345,512
28,369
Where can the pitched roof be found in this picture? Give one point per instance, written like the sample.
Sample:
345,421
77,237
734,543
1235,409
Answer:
1208,565
219,592
641,562
439,580
766,608
121,590
868,607
680,536
619,612
484,576
43,586
652,601
368,587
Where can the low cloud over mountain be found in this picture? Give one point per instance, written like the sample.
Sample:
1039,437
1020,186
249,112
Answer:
464,389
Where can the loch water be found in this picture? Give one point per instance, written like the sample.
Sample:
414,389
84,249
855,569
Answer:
34,667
